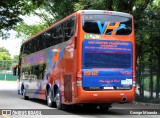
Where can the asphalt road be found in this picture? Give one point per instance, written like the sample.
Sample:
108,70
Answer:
9,99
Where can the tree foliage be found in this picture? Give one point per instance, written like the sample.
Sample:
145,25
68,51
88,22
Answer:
4,50
11,11
26,31
4,54
5,59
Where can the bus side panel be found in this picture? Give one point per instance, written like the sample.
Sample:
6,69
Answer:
69,73
63,68
68,88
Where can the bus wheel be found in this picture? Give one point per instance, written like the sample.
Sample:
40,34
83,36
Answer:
58,101
24,94
104,107
49,99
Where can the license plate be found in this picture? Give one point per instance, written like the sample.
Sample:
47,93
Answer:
108,87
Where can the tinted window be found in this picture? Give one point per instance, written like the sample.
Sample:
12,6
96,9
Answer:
58,34
99,23
107,60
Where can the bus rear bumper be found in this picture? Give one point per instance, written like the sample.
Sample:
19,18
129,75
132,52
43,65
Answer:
114,96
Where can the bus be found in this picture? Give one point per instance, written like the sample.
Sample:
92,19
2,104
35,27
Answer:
87,58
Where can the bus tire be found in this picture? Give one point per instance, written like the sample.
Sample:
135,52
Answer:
104,107
50,102
58,100
24,95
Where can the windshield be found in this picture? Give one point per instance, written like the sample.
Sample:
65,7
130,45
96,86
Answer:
107,24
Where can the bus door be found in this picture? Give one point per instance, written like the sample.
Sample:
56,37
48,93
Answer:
34,85
30,83
39,81
107,65
35,79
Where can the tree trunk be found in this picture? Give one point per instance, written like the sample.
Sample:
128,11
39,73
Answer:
158,77
141,71
151,81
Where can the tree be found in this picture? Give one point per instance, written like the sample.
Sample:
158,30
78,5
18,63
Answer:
11,11
2,49
5,59
16,58
26,31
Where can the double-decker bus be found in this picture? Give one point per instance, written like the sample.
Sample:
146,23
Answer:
86,58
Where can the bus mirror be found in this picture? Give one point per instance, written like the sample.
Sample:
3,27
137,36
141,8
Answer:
15,70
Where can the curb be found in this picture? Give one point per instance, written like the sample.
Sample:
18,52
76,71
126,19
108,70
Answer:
147,104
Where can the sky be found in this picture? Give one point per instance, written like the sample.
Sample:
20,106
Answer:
13,44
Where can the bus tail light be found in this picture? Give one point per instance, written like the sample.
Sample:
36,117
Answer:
134,79
79,78
134,83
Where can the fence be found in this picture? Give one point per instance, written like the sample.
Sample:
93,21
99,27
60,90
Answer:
7,77
6,70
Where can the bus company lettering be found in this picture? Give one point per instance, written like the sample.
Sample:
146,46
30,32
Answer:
91,73
107,45
109,81
38,58
103,29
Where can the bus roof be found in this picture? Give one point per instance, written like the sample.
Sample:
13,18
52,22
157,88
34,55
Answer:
105,12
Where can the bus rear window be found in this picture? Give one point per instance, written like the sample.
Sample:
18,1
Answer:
107,60
107,24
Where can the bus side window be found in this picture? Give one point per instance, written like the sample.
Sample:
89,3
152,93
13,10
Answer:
24,51
31,47
38,44
34,43
41,43
27,48
47,40
59,33
68,31
53,39
38,71
70,28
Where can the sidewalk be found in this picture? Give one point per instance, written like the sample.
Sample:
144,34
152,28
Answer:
8,85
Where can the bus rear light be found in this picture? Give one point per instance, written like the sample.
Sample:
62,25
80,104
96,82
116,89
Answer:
79,83
79,78
134,83
79,74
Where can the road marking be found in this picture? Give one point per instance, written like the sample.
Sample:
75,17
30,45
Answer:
5,116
